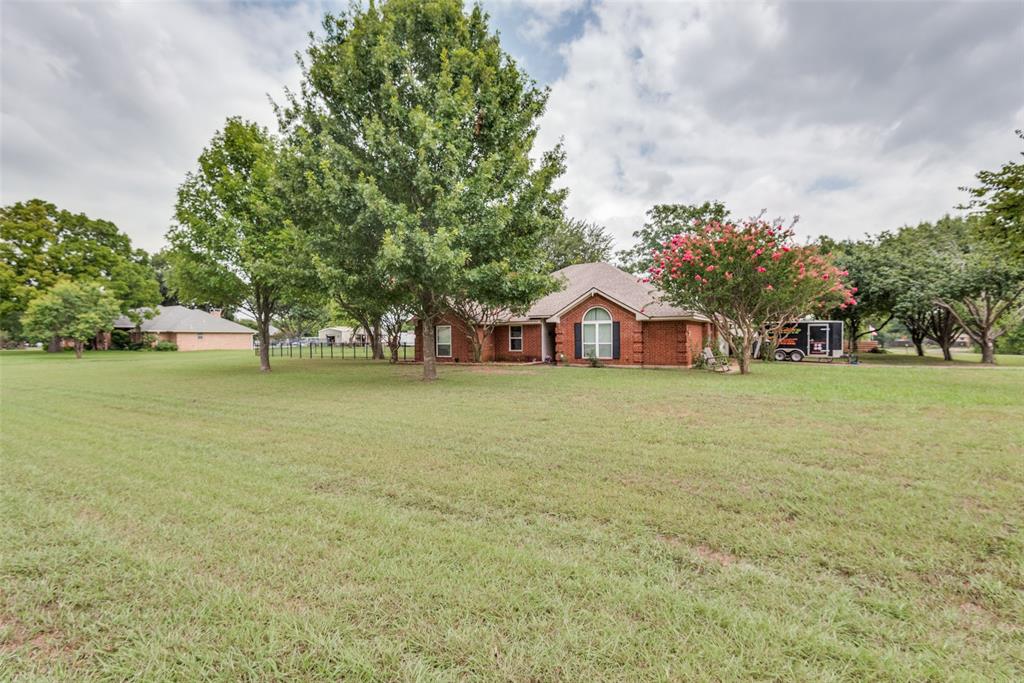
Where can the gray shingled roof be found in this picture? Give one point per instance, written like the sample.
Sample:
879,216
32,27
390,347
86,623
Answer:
616,283
181,319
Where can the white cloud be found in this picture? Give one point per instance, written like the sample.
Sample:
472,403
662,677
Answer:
106,106
778,107
857,116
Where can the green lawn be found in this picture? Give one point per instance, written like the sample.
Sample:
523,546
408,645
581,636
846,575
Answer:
180,516
933,356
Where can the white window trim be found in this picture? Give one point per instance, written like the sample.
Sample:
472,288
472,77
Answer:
597,345
437,341
521,338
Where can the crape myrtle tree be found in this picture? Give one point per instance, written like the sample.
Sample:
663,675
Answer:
233,244
71,310
663,223
749,280
412,136
41,245
985,290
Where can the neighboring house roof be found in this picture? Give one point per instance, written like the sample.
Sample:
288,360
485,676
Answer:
181,319
582,280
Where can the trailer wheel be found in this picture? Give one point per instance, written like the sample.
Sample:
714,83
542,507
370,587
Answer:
796,356
781,355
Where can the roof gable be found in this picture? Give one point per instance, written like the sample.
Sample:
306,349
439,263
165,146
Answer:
579,281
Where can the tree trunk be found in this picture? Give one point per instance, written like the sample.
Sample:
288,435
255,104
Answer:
475,344
264,334
393,345
988,350
943,329
55,345
78,348
429,361
919,345
854,328
378,349
743,355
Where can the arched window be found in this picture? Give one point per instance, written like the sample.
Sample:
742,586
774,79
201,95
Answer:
597,333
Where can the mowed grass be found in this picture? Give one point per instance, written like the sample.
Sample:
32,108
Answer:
933,356
180,516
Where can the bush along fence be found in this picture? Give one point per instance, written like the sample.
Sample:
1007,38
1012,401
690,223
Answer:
316,349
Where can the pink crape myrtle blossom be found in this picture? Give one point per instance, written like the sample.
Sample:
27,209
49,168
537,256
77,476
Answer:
696,270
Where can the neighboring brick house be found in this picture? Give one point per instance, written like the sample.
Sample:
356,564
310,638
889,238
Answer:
190,329
601,310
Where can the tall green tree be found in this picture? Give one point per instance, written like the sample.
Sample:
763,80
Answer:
919,262
41,245
360,288
663,222
303,318
997,203
872,279
489,295
576,241
161,265
985,291
71,310
413,136
233,243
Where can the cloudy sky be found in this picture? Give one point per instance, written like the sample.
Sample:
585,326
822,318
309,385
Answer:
858,116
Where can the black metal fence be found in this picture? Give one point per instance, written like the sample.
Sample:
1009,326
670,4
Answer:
312,349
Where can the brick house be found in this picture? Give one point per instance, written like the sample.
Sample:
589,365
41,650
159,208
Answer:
190,329
600,310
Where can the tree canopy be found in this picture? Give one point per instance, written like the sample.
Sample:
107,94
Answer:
873,280
747,279
576,241
664,221
997,203
70,310
41,245
412,140
985,285
233,243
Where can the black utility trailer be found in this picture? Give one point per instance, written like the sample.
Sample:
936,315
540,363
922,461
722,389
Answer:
813,339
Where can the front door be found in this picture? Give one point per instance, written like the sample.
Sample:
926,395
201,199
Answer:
817,340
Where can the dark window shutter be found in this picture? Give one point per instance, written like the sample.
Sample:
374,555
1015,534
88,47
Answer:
616,341
577,333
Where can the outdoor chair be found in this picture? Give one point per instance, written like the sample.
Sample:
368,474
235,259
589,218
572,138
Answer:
712,363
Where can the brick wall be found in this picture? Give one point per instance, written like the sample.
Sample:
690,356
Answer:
660,342
531,344
462,351
630,332
674,342
665,342
211,341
